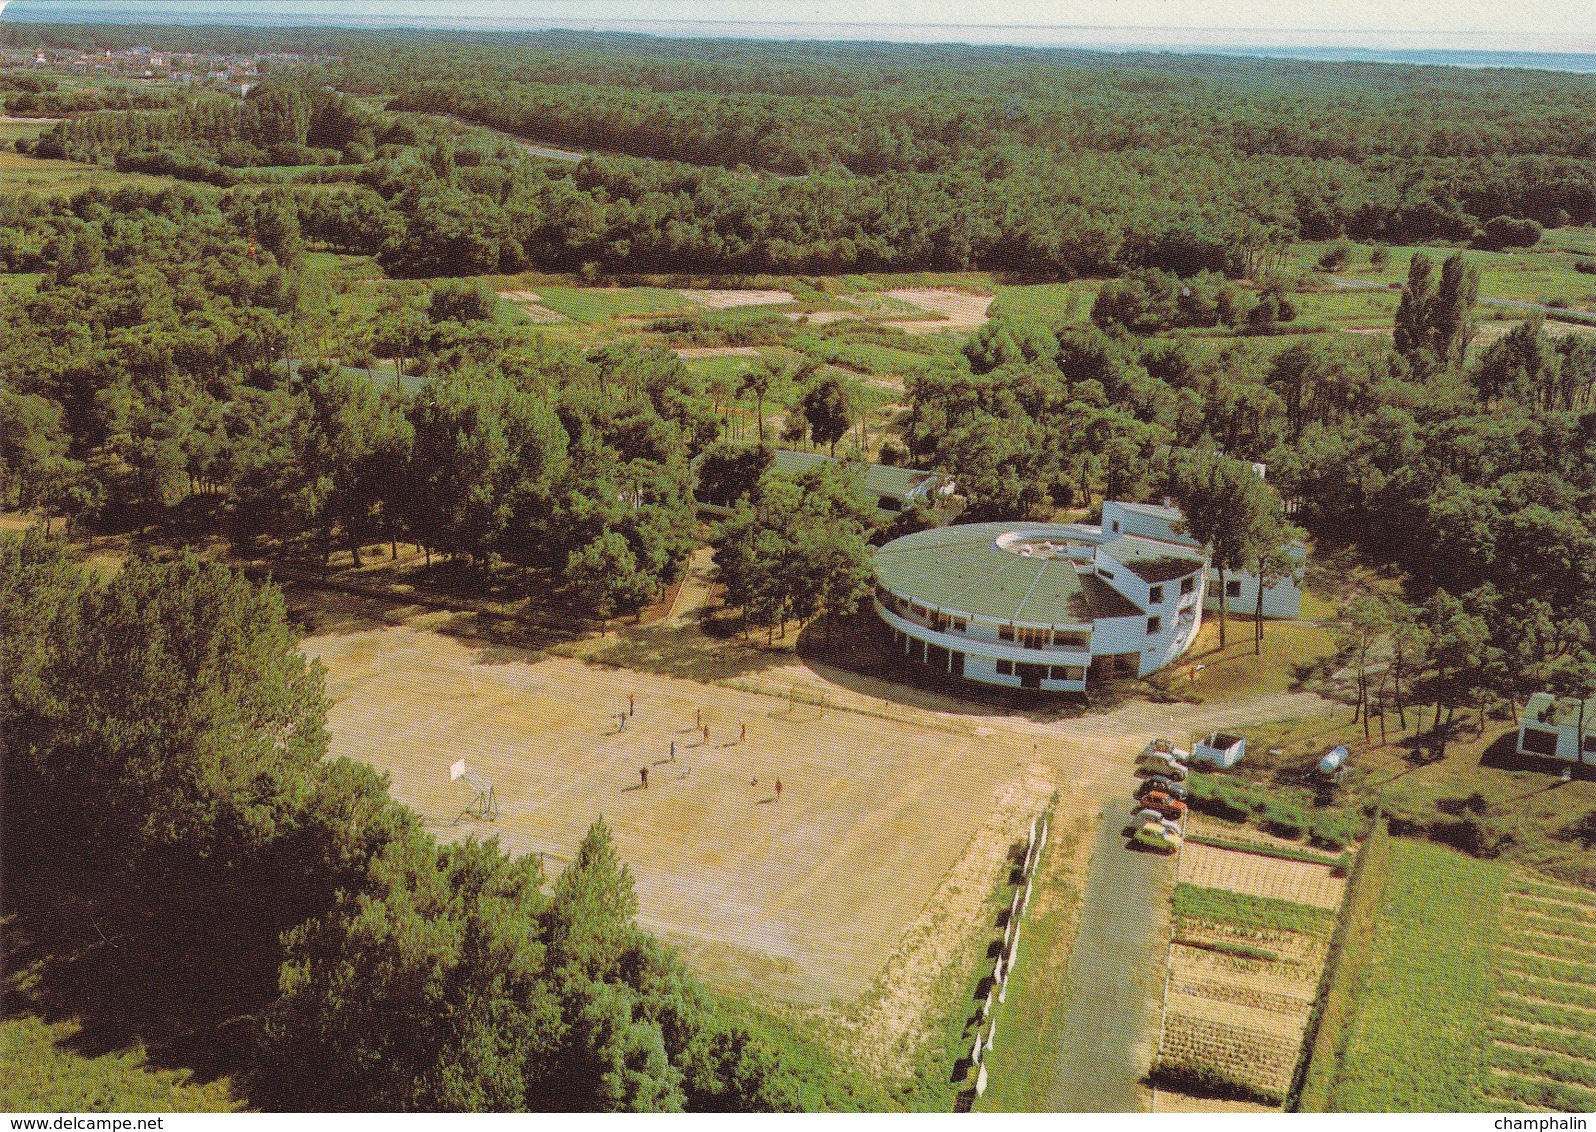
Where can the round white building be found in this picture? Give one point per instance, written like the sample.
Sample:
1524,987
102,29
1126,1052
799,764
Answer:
1039,605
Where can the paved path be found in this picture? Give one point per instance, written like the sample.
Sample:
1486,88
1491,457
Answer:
1116,978
1114,990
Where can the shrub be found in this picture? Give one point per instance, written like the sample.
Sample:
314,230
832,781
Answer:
1587,266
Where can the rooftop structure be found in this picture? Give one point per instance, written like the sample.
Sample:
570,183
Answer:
1165,523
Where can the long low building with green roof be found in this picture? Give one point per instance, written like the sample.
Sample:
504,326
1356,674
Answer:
1039,605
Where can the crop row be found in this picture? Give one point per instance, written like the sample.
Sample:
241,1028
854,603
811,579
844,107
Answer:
1251,913
1265,849
1562,912
1547,1014
1546,1094
1522,938
1558,892
1240,1053
1581,973
1540,1063
1234,950
1580,1045
1571,994
1546,925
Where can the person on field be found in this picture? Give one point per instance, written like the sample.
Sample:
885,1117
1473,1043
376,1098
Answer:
778,789
742,736
631,704
643,773
673,750
706,734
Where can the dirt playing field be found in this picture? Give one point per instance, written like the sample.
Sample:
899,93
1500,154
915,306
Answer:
804,896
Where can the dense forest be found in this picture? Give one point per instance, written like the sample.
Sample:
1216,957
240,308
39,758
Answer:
825,158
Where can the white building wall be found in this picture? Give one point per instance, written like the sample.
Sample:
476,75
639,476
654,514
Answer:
1282,601
1120,520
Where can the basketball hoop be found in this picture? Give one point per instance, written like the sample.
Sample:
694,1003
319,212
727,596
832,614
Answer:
483,807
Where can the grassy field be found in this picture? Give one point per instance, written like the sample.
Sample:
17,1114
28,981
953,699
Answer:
1423,1002
1542,274
43,1072
1481,796
1021,1064
1209,674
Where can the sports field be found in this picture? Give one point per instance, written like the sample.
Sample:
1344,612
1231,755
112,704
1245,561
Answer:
803,897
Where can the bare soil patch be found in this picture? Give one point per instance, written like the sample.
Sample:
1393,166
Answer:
717,352
1298,881
960,311
727,300
530,303
801,898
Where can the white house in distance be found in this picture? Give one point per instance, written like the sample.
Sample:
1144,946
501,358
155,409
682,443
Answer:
1550,726
1039,605
1165,523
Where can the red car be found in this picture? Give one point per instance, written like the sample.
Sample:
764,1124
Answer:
1164,804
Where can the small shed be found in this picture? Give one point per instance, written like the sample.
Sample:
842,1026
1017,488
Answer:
1221,749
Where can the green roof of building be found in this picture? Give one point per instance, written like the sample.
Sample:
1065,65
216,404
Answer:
1151,560
963,569
879,479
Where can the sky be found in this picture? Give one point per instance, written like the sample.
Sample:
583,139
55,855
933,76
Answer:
1500,25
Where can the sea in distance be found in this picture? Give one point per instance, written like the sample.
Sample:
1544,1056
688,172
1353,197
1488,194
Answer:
1457,49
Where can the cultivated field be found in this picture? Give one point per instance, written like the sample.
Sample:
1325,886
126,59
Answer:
1543,1031
1250,939
803,896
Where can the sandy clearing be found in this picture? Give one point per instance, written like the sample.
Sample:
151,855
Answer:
802,898
718,352
820,318
1255,875
962,311
530,303
727,300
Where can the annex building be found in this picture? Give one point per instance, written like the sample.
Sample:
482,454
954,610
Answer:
1039,605
1283,600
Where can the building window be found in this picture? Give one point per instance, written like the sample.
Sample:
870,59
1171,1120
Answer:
961,625
1070,640
1066,672
1005,632
1155,595
1539,742
1232,589
1033,638
1154,624
1590,744
1187,585
1005,668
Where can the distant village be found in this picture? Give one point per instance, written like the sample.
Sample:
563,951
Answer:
237,73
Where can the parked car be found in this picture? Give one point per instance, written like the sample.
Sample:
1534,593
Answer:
1163,765
1143,816
1164,804
1175,790
1155,835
